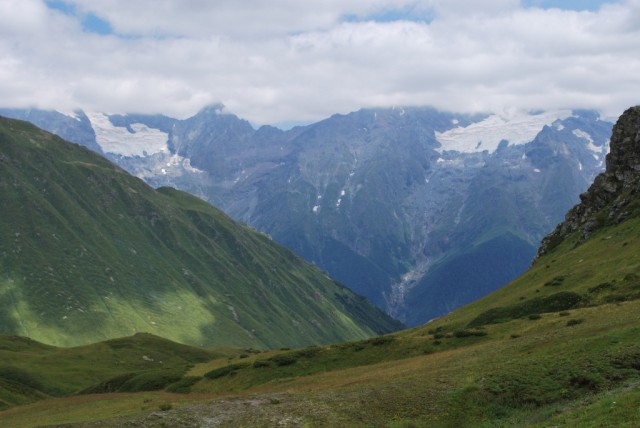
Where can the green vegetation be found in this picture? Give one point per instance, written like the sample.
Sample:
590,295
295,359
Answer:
30,371
539,352
532,308
88,253
507,370
183,386
225,371
512,373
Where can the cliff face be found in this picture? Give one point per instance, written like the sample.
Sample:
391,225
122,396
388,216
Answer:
610,199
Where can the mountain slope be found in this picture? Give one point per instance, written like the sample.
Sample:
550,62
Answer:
31,371
556,347
90,253
387,201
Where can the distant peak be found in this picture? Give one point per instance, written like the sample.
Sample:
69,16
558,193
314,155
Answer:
217,108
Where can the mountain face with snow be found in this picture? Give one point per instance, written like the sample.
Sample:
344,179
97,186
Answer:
419,210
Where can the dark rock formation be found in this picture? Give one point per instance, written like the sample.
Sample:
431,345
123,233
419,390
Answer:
608,198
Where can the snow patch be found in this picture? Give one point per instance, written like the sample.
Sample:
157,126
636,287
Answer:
316,208
598,152
517,128
342,193
186,164
71,114
536,170
581,134
171,165
118,140
455,162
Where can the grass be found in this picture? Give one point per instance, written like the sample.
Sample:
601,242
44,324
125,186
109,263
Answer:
84,408
512,373
469,381
617,408
89,253
542,351
531,308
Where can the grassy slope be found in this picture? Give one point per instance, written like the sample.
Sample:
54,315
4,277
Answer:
89,253
558,346
562,367
522,372
30,370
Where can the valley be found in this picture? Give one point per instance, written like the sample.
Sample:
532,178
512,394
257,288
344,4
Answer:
555,347
528,371
420,211
367,214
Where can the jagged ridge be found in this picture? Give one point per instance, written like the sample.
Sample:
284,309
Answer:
609,199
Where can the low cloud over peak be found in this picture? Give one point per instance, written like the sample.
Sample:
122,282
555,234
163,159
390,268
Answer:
289,61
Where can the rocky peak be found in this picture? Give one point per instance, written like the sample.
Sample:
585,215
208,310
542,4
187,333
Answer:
608,198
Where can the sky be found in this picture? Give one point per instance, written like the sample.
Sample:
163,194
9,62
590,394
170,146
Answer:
289,61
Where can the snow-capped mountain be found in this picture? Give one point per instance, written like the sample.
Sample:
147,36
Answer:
419,210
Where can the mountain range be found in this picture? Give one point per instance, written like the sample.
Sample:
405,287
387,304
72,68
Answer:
421,211
89,252
558,346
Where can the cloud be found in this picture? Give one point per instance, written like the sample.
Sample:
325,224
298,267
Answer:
287,60
245,19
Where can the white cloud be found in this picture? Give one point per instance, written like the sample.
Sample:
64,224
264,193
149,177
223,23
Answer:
238,19
289,60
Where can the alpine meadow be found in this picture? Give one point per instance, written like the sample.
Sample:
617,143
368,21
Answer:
319,214
557,346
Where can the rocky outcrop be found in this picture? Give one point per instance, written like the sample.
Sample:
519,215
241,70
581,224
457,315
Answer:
608,199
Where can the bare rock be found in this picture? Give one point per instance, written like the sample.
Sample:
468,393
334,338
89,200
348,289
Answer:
611,191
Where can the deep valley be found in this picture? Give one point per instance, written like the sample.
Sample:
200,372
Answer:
558,346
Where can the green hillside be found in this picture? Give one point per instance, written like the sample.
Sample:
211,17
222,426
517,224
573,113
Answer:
31,371
559,346
89,253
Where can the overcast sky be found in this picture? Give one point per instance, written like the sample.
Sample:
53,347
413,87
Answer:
289,60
